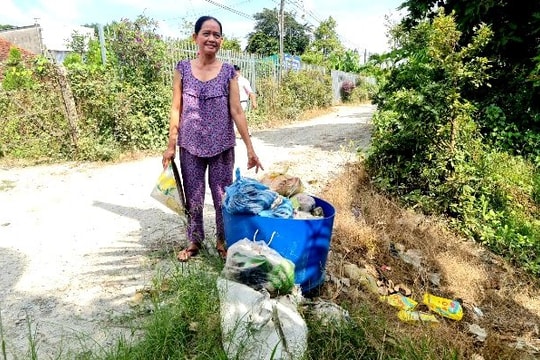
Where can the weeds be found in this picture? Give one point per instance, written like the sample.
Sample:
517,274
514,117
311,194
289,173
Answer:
32,341
2,339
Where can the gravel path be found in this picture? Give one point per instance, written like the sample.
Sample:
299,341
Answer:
75,238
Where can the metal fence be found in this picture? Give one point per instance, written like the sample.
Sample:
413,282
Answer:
253,66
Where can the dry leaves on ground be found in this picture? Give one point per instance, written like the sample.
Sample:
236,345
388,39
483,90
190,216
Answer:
371,231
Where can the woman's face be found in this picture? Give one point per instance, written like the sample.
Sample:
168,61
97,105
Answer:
209,37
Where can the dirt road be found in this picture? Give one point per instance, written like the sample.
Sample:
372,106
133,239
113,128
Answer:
75,238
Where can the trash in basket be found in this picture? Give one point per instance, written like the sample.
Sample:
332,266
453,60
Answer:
305,242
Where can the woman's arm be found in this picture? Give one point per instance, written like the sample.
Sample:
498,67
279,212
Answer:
174,122
253,98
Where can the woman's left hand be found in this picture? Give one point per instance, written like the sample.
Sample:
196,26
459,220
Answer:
253,162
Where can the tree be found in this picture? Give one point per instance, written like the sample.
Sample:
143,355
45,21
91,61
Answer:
78,43
231,44
327,49
6,27
326,39
265,39
511,112
515,24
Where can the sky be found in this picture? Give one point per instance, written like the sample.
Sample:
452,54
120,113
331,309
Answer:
361,24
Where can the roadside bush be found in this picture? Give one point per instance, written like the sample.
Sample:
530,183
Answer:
502,209
16,75
136,50
33,123
428,150
124,105
364,90
297,92
117,116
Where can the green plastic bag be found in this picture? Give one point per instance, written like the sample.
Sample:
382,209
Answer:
255,264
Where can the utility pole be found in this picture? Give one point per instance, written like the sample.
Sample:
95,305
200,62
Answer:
281,25
40,36
102,44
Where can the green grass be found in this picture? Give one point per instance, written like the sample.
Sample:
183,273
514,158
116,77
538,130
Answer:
179,318
184,320
2,340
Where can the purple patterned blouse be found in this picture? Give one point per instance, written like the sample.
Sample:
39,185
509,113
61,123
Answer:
206,127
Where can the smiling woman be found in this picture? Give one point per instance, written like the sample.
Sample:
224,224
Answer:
206,101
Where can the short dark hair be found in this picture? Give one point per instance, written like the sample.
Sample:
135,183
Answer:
236,67
200,21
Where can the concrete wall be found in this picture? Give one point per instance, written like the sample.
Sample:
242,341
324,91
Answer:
28,38
39,38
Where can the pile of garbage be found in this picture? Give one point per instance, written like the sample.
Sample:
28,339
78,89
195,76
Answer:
276,195
259,304
260,287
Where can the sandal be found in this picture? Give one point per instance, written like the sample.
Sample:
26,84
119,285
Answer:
222,252
188,253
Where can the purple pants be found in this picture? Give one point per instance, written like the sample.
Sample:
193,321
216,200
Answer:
220,175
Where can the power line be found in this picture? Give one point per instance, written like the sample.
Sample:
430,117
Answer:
237,5
191,13
299,4
234,11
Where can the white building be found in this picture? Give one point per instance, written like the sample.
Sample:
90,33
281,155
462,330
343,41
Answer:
47,37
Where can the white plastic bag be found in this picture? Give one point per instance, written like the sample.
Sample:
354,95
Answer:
166,191
257,265
254,326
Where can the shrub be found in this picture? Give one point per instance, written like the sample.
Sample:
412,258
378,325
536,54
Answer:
297,92
427,148
16,75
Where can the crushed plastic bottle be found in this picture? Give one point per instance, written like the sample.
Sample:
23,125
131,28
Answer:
414,316
451,309
399,301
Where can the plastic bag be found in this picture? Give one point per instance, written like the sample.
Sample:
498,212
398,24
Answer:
283,184
258,266
400,301
281,208
247,196
254,326
303,202
166,191
413,316
445,307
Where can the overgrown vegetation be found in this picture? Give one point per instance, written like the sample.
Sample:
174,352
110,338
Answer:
428,148
508,110
287,100
33,122
437,146
123,105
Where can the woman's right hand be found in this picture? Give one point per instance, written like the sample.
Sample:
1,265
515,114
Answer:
168,155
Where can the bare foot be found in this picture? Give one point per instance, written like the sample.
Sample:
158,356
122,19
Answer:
188,253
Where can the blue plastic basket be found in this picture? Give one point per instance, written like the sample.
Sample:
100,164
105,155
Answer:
305,242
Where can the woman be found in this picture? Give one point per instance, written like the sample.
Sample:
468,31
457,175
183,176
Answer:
206,100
